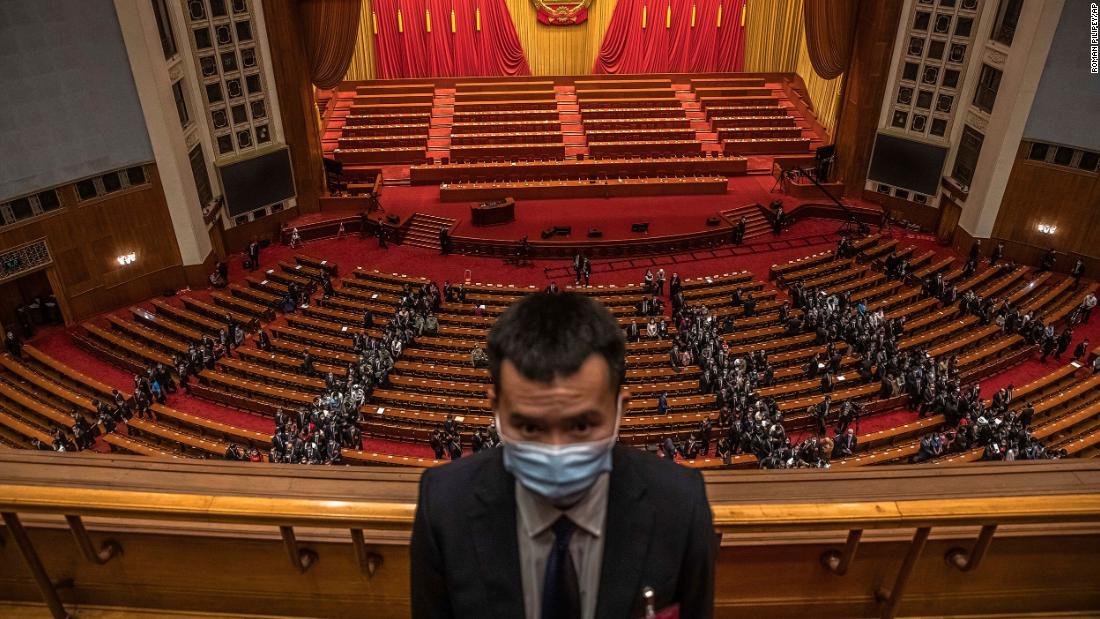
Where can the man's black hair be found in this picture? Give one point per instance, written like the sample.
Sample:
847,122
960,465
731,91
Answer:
550,335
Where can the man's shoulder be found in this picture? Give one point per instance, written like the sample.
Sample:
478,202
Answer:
661,474
456,478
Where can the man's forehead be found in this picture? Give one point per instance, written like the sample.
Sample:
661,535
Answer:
592,374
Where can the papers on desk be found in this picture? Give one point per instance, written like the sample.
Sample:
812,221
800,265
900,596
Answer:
840,378
269,271
1075,364
343,329
297,268
374,296
381,409
324,262
263,283
460,418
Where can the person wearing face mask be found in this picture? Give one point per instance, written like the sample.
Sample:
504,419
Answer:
561,522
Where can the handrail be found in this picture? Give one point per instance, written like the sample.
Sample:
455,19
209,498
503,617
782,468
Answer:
756,517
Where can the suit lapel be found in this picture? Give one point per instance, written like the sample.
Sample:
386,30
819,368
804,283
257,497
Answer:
629,521
493,527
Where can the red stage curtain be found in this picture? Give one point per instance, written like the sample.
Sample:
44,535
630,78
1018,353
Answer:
330,28
414,51
830,27
669,43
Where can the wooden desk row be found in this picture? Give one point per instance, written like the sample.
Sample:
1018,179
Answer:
386,130
720,122
518,137
634,112
731,91
592,168
766,109
636,123
635,134
461,117
397,118
505,152
544,94
742,133
707,103
383,89
536,190
498,105
598,94
726,82
405,98
505,125
757,146
622,83
504,86
403,141
403,154
645,147
390,108
594,104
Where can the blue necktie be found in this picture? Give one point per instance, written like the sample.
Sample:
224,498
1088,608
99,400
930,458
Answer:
560,590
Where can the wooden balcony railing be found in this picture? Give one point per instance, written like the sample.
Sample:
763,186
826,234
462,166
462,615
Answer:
853,541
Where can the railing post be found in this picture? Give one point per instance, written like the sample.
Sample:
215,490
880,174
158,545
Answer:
109,550
30,556
838,562
300,558
369,562
891,599
965,562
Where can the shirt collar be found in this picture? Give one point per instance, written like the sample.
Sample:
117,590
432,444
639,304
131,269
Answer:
589,513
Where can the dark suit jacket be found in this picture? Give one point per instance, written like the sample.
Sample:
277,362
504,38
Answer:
659,534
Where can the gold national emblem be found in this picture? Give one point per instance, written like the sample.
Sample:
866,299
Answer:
562,12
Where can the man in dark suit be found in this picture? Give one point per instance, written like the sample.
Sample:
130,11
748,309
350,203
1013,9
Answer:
560,522
253,255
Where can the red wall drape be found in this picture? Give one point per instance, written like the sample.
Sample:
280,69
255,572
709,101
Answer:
677,47
416,52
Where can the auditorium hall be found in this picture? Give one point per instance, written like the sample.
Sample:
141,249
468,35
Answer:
551,309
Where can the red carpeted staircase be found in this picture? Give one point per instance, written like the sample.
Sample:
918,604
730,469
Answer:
755,224
423,230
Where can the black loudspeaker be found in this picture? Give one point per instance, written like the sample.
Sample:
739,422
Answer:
563,230
547,233
393,219
594,233
713,221
642,226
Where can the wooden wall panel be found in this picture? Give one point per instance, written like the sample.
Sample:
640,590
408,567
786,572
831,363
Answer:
877,25
1040,193
85,237
301,125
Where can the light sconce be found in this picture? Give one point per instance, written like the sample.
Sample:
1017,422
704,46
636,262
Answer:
1047,228
126,259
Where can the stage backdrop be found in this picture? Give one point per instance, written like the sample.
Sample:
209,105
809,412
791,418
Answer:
773,40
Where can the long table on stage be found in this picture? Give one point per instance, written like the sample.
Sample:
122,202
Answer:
724,111
737,133
652,147
433,173
506,151
626,93
383,141
402,98
755,146
713,82
732,91
535,190
590,84
503,86
636,123
384,89
505,115
488,214
605,103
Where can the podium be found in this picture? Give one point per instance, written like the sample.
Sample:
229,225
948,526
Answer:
491,213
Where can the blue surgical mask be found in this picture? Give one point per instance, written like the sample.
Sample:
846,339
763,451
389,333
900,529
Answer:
559,471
